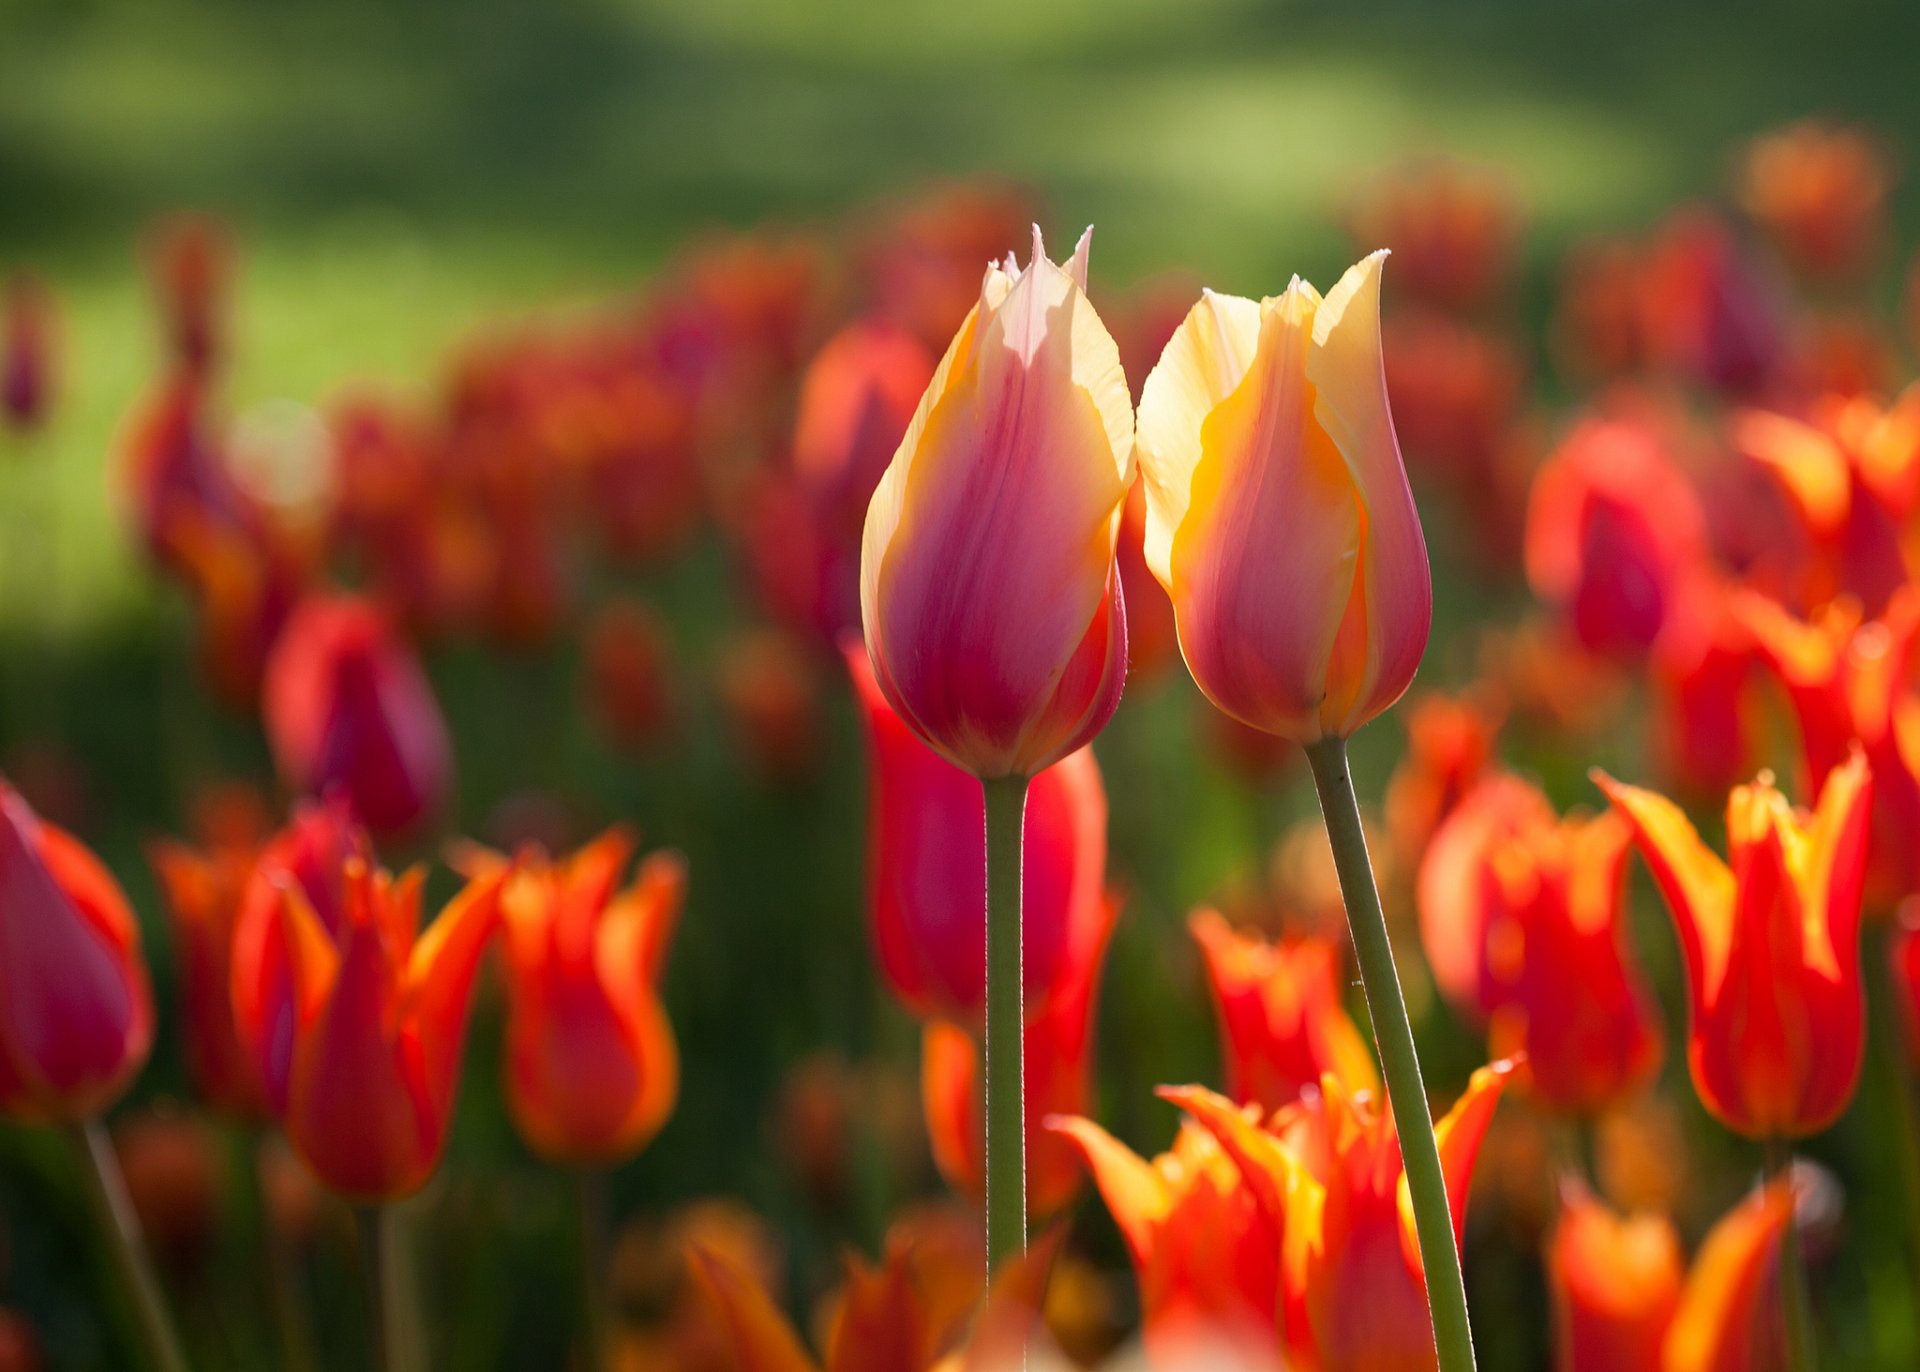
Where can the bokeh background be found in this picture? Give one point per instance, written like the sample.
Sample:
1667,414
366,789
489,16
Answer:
402,180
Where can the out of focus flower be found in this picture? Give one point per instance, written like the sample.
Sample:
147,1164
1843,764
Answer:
204,891
1843,352
171,1162
1772,946
1709,724
1612,527
1597,327
988,589
803,537
1523,917
1278,513
1550,683
1851,476
1731,1315
1708,312
378,1026
922,264
1327,1172
1205,1251
1903,960
348,708
1642,1155
628,672
190,265
1455,393
76,1006
1452,227
1848,682
770,685
1059,1072
1153,638
926,864
1450,742
311,855
1820,192
28,344
592,1071
1283,1024
1615,1283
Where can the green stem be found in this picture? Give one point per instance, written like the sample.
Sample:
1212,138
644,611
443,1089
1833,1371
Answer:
596,1228
113,1212
1406,1092
1793,1270
1895,1068
282,1265
1004,1050
380,1273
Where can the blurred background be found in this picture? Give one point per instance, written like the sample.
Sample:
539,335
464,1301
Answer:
400,186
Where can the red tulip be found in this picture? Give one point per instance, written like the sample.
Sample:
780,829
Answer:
926,864
1450,742
1612,527
1615,1284
1707,311
1772,946
76,1007
1452,228
1282,1020
1059,1070
348,707
379,1022
1820,192
190,263
1708,721
1523,918
205,891
592,1069
1730,1317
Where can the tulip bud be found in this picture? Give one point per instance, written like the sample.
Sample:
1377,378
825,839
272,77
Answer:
926,863
592,1070
1278,512
1615,1284
76,1006
988,589
347,706
1772,946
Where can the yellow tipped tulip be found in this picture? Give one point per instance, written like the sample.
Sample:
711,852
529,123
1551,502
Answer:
987,584
1278,512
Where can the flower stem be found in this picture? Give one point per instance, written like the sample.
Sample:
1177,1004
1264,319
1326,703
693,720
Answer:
1004,1050
380,1273
113,1213
1793,1270
596,1219
1406,1092
282,1263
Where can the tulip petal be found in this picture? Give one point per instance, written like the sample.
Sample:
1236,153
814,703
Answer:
1134,1190
757,1333
1699,887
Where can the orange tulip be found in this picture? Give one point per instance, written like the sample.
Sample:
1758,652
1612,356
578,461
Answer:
76,1006
1615,1284
346,705
1820,192
1612,528
1523,918
926,863
1281,1017
204,892
378,1016
26,353
1205,1252
1058,1081
1278,513
592,1071
1450,742
1847,681
1327,1172
1730,1315
988,589
1772,946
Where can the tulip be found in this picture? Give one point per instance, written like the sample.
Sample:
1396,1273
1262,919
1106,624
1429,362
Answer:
1450,742
592,1070
346,705
1204,1251
1523,917
1772,945
1455,226
1729,1317
1612,528
1820,192
1281,1017
1846,680
27,361
76,1006
204,893
1707,312
1709,725
1058,1043
1597,328
988,590
190,263
926,859
1615,1283
1278,514
1327,1172
629,670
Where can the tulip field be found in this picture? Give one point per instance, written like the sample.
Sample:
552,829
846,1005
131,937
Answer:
655,717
